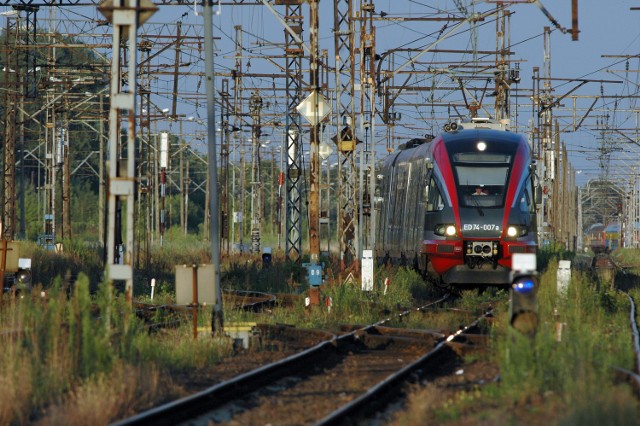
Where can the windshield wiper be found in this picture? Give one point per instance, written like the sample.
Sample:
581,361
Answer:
477,205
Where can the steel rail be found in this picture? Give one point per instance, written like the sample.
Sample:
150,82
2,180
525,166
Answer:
264,299
632,376
214,396
349,413
217,395
634,331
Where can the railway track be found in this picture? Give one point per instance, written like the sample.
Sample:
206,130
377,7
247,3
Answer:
333,382
605,268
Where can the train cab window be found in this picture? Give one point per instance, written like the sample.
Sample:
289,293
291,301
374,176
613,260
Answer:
487,181
525,200
481,163
433,197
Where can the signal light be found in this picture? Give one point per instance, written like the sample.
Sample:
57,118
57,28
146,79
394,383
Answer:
524,285
523,303
23,277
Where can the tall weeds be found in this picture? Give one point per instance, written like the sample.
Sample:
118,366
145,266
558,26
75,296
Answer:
581,336
76,356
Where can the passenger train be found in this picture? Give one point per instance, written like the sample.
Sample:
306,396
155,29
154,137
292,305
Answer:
458,206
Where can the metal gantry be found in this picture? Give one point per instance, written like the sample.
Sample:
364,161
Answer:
356,72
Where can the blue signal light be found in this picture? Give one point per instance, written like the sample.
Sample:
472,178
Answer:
524,286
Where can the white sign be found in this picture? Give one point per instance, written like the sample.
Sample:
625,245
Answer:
563,276
164,149
205,286
367,270
325,150
307,108
523,263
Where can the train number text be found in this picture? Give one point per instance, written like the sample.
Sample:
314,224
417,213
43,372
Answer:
480,227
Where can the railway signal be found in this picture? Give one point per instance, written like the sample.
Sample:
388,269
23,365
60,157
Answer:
523,301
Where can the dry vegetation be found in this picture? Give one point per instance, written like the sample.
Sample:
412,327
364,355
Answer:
83,358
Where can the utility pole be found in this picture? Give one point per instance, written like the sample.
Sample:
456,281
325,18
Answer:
366,189
238,216
314,142
255,107
502,74
10,101
217,320
28,89
164,163
101,177
543,138
345,138
224,165
125,15
63,150
293,52
143,166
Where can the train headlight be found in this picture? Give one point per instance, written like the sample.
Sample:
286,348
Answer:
446,230
515,231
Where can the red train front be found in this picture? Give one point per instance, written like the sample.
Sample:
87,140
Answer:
458,206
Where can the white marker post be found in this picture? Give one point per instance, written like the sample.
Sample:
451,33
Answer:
367,270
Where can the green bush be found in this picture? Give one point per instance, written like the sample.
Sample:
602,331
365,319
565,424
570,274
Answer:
581,336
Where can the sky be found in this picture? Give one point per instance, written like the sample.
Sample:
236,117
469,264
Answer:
606,28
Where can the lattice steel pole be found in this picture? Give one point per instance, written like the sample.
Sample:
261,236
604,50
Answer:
345,139
255,107
366,218
224,165
294,53
9,158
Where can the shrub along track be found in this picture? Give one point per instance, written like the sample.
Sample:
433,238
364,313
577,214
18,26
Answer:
337,380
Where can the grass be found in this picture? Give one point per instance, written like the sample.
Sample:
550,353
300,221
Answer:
547,378
349,304
84,357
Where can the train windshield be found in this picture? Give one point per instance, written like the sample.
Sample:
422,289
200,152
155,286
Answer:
482,175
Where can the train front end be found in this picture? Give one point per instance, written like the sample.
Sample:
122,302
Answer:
487,176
